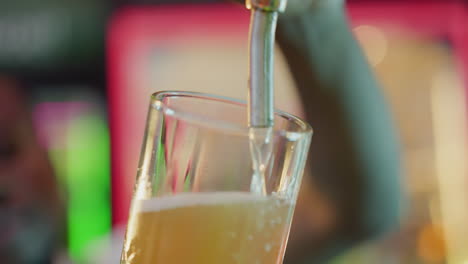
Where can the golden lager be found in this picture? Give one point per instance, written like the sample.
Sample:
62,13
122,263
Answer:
208,228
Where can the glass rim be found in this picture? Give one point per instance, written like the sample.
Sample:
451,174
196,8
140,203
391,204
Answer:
158,104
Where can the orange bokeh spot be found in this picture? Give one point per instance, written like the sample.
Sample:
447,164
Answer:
431,244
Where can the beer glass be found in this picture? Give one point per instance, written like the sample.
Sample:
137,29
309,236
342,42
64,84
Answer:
196,198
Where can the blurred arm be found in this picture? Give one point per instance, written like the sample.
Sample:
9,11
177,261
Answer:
354,154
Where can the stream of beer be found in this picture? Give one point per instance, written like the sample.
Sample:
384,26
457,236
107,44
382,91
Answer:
261,99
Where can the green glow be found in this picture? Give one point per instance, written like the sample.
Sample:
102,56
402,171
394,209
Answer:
88,181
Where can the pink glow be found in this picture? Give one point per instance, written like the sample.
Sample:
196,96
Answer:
51,119
132,33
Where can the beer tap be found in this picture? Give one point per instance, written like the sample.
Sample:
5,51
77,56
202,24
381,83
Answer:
261,60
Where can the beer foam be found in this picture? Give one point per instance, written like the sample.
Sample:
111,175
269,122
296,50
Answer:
195,199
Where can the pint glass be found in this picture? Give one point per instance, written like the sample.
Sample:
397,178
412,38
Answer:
195,201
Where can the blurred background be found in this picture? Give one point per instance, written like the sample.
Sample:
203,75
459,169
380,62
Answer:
75,80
